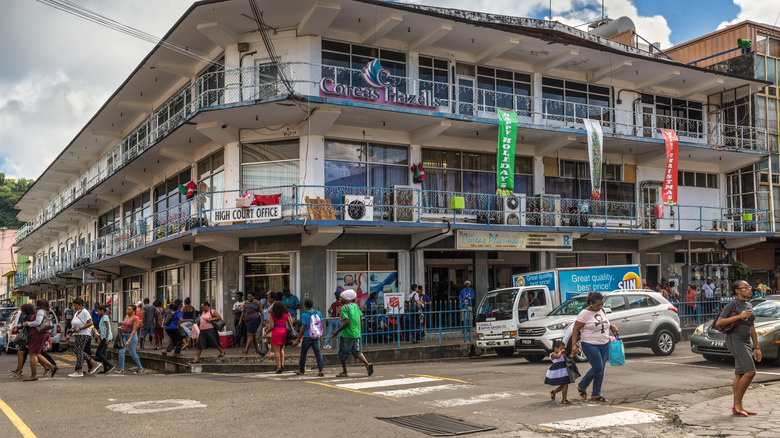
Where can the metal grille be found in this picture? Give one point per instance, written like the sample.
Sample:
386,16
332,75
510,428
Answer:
531,331
435,425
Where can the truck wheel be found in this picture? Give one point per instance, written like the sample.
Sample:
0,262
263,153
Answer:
663,342
534,357
505,351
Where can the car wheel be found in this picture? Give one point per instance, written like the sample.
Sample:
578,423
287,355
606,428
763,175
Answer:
534,358
663,343
711,358
580,357
505,351
776,362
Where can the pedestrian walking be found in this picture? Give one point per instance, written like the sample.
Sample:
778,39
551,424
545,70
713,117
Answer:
277,326
558,374
68,317
187,321
290,301
250,320
172,323
26,312
690,304
309,336
593,325
104,326
159,330
761,289
82,329
465,302
350,329
333,321
130,326
208,338
147,323
738,342
239,333
38,340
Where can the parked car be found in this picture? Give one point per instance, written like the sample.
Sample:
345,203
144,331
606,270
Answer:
643,317
711,344
10,330
5,313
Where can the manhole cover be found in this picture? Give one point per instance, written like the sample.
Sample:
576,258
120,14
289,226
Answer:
435,425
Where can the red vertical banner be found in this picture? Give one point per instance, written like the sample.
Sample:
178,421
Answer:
669,190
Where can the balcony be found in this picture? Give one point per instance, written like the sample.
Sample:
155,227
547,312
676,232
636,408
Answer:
402,206
258,83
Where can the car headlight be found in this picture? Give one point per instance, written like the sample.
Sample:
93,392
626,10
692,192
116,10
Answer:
508,335
559,326
699,330
765,331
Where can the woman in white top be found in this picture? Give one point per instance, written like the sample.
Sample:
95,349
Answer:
593,325
82,328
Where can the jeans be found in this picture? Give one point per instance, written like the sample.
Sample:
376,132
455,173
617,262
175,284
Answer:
597,357
315,346
100,354
133,354
333,324
176,340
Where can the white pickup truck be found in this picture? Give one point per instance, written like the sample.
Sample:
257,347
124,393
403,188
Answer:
502,310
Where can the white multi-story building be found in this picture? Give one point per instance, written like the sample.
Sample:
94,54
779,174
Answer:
328,105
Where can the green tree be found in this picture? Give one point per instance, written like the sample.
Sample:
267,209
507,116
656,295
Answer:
10,192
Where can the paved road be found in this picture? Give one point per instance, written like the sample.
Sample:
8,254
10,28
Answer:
507,394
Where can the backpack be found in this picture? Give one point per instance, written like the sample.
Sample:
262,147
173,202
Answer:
315,326
168,319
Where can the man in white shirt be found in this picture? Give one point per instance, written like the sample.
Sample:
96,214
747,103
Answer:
708,291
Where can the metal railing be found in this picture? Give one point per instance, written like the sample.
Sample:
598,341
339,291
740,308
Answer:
393,205
250,84
698,310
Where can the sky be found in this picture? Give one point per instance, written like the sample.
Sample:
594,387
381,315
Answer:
60,69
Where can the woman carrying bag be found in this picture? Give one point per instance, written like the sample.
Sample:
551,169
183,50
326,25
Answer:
278,319
593,325
209,337
129,339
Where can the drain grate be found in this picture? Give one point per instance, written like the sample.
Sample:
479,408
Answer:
435,425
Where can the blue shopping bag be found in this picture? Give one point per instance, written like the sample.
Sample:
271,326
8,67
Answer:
617,354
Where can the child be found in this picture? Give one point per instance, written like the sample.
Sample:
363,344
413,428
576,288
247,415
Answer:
558,375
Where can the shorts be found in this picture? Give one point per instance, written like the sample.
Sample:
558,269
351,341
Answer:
349,346
147,330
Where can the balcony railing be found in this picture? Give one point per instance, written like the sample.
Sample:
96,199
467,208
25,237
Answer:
393,205
250,84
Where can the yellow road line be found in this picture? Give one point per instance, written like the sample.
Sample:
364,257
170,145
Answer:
353,390
20,425
442,378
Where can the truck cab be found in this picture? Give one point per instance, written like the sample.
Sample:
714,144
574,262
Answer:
502,310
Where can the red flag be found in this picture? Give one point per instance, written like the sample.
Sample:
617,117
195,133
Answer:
669,188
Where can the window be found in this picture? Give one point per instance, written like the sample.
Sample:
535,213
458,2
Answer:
697,179
211,176
686,117
360,164
270,164
504,89
616,304
266,273
135,211
364,272
169,285
574,183
434,76
131,289
212,84
108,223
169,205
208,282
343,62
567,99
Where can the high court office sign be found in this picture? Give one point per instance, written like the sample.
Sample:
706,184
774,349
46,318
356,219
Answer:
261,212
513,241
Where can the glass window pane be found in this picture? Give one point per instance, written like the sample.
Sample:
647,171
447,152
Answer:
342,173
263,152
270,175
388,154
383,261
343,150
388,176
351,261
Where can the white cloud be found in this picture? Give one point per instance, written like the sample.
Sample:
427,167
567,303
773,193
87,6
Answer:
761,11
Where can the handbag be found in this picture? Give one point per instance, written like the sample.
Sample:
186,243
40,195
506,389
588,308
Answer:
22,338
728,328
292,334
119,340
47,323
617,353
218,324
95,334
571,368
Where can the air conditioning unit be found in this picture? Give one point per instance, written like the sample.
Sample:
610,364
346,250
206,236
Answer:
550,207
406,203
358,208
514,209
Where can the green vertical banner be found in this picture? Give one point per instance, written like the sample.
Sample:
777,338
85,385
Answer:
507,139
595,139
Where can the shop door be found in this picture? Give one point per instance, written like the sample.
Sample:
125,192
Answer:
464,103
445,283
651,193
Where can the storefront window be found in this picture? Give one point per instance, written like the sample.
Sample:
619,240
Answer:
266,273
208,281
366,273
131,291
170,285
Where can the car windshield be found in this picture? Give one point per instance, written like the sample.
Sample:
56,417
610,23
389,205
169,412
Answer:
498,301
5,314
570,307
768,309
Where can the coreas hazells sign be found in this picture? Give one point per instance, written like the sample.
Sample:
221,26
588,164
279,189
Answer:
260,212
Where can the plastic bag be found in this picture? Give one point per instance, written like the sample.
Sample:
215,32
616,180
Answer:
617,354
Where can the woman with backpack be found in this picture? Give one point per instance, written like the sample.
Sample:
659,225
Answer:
39,338
310,333
172,323
252,318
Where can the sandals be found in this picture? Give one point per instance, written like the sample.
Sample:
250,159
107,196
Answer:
342,375
599,399
298,372
582,392
552,395
565,402
221,355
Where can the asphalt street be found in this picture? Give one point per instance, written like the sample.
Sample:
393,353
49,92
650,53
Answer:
505,393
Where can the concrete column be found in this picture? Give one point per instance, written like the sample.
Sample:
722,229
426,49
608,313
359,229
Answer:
312,169
313,272
538,176
481,285
232,174
231,283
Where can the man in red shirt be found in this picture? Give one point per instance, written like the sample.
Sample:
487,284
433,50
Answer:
333,320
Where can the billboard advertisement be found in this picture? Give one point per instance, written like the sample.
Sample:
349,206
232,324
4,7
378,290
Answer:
541,278
573,282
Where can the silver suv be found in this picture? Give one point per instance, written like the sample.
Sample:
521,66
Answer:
643,317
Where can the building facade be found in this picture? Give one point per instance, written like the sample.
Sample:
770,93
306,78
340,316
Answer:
285,150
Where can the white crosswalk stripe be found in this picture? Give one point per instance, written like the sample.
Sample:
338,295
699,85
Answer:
418,391
391,382
455,402
608,420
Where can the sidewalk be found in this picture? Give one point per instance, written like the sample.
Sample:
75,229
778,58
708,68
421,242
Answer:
235,362
714,418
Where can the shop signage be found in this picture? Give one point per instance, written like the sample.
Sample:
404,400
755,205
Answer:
669,192
394,302
507,138
95,277
379,89
510,241
598,279
595,141
260,212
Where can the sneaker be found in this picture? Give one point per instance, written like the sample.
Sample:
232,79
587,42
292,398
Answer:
327,347
112,369
76,375
139,371
95,369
